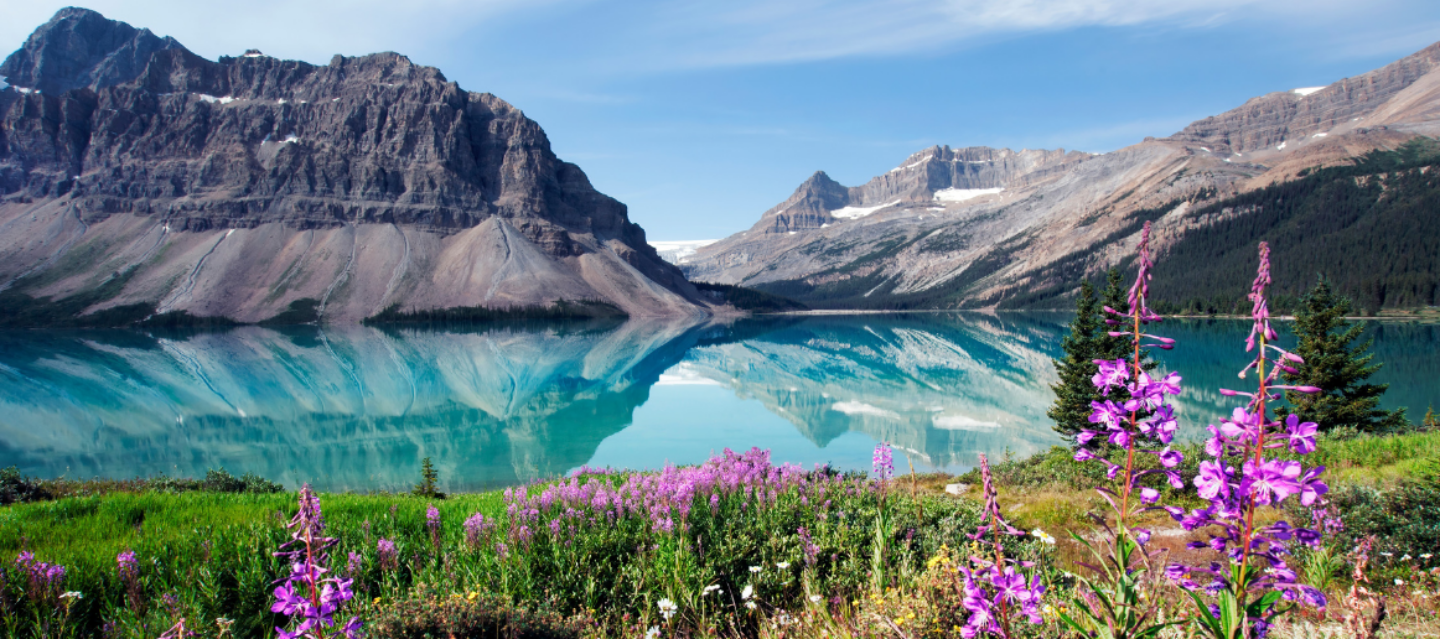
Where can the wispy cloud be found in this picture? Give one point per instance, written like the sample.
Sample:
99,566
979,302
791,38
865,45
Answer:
763,32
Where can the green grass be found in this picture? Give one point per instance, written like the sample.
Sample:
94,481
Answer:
206,555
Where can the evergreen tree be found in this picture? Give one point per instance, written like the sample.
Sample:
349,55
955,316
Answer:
1075,391
429,481
1338,367
1116,296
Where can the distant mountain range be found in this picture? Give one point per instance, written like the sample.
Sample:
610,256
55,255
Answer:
982,227
141,182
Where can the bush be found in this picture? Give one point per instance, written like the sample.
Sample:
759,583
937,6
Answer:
15,488
474,615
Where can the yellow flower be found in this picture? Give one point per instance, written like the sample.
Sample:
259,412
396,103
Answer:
376,602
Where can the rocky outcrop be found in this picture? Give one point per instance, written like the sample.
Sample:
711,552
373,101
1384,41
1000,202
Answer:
1270,120
981,227
79,48
242,186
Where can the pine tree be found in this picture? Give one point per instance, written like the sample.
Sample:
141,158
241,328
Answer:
1116,297
429,481
1074,393
1338,367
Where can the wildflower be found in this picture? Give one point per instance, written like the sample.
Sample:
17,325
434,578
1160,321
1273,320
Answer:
1399,581
432,522
309,598
715,588
747,592
389,557
814,598
756,568
72,594
783,565
883,462
667,608
1043,536
1236,490
652,633
750,605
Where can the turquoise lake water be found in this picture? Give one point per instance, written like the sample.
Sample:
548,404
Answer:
357,408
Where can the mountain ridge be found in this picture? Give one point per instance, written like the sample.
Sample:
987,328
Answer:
240,187
922,241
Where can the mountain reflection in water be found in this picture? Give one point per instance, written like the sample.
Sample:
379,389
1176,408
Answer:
356,408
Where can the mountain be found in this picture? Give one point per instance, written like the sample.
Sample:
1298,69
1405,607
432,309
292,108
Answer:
138,179
981,227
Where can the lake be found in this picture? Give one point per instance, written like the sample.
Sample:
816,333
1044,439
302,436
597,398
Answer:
357,408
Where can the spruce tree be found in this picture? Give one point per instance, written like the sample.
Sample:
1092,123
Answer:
1116,297
1075,391
1337,366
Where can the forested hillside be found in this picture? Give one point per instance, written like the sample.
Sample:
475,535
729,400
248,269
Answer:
1372,228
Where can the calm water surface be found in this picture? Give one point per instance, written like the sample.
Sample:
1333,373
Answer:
357,408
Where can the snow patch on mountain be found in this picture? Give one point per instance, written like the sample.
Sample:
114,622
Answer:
676,252
856,212
1307,91
960,195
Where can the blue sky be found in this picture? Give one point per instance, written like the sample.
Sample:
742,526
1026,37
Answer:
701,115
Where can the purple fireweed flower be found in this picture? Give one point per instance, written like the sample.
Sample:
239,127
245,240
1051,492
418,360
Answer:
1302,434
129,569
883,462
477,530
1236,490
432,523
1107,413
389,557
45,580
306,595
1271,482
1112,373
995,585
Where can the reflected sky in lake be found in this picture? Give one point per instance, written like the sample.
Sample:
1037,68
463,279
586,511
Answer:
357,408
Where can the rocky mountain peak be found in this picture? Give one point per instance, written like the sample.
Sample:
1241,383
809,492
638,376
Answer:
381,184
1270,121
81,48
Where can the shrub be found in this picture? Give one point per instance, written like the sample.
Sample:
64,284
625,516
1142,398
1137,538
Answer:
16,488
428,613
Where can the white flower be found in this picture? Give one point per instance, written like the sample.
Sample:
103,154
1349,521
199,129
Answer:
1406,557
667,608
783,565
814,598
1399,581
652,633
1043,537
1387,554
756,568
711,588
748,592
1426,556
73,594
750,605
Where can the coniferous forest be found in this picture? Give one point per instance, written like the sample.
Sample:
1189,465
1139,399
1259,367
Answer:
1372,229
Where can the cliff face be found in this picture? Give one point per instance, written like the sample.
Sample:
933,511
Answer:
238,187
981,227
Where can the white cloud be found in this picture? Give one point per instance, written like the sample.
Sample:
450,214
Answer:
763,31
